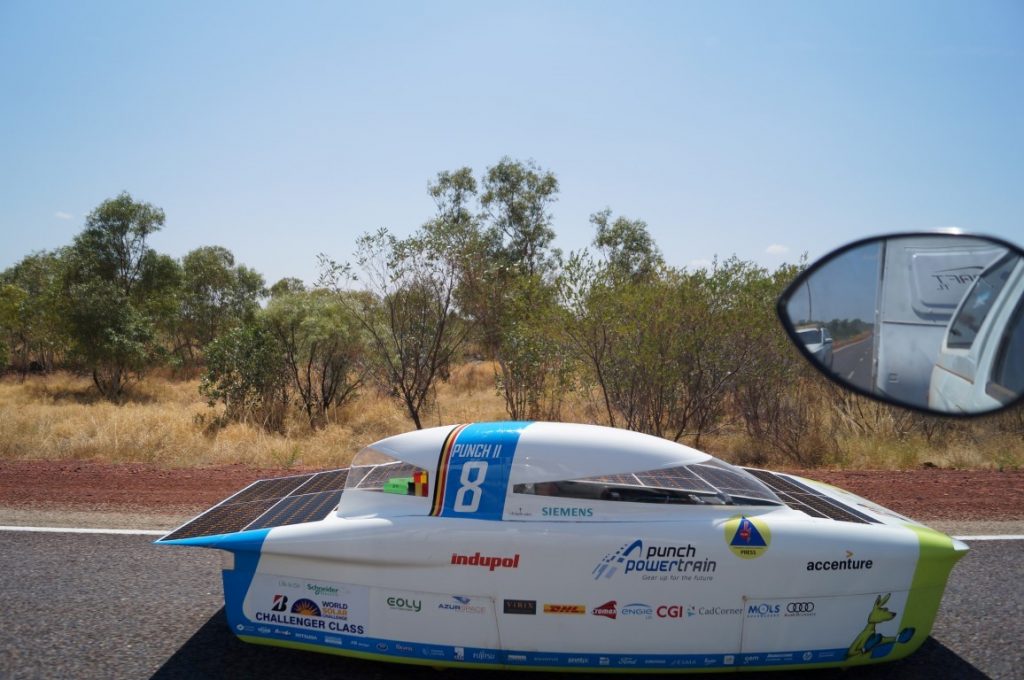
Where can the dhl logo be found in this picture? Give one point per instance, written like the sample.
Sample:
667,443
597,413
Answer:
565,609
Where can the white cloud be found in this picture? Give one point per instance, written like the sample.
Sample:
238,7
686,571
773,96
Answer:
776,249
61,215
699,263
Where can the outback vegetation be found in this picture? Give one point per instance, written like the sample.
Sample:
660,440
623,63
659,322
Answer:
117,352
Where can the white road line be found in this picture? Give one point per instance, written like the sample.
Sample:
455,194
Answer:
76,530
992,537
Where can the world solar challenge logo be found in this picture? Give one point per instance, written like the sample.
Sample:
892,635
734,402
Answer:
747,537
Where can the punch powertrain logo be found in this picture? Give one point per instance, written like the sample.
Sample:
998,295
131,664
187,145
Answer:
520,607
306,607
565,609
747,537
280,603
607,610
490,563
652,560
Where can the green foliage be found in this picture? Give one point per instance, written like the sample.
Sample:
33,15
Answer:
287,286
408,313
117,290
629,250
215,294
246,371
516,198
323,348
31,311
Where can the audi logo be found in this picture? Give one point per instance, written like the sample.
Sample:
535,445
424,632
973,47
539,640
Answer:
800,607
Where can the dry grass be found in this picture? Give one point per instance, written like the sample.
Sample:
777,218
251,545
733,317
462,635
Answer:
59,417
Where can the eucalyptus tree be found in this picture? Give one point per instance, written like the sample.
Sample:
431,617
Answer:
116,289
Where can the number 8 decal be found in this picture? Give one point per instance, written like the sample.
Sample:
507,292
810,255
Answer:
468,497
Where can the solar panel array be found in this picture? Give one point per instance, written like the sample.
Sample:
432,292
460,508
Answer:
696,478
802,497
269,503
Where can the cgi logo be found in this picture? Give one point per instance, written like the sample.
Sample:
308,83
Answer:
763,610
405,605
674,611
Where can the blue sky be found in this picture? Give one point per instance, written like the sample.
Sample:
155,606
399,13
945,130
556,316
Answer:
280,130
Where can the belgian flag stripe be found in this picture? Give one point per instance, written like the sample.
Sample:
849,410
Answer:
442,470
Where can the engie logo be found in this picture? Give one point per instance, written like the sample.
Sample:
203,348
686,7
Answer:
606,610
405,605
640,609
491,563
565,609
633,557
747,538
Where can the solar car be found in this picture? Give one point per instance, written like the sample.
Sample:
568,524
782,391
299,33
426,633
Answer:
533,545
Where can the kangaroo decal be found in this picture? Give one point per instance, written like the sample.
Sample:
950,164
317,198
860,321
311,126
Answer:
869,641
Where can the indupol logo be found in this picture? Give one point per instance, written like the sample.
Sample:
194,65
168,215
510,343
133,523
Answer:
491,563
607,610
747,537
635,557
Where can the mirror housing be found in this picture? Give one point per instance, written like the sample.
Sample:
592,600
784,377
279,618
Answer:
931,321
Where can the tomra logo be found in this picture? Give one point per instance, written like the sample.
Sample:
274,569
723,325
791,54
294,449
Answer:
607,610
491,563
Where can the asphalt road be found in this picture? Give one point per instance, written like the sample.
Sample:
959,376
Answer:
853,363
98,606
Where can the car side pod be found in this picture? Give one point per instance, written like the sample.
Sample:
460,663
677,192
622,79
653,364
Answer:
938,554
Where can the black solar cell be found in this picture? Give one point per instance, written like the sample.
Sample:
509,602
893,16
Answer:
298,509
222,519
278,487
324,481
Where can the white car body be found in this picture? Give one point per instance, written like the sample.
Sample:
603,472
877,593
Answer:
973,378
653,556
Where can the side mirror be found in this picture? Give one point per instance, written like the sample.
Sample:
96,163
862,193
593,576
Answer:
929,321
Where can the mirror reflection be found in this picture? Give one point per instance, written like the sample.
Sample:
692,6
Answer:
934,322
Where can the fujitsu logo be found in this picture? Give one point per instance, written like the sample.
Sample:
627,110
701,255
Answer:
607,610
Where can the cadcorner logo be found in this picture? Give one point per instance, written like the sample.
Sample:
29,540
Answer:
747,537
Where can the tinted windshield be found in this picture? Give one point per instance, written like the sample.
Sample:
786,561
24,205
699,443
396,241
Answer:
810,336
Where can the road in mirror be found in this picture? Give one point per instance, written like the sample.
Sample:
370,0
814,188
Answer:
930,321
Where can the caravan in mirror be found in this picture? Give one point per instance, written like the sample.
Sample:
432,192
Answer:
933,322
